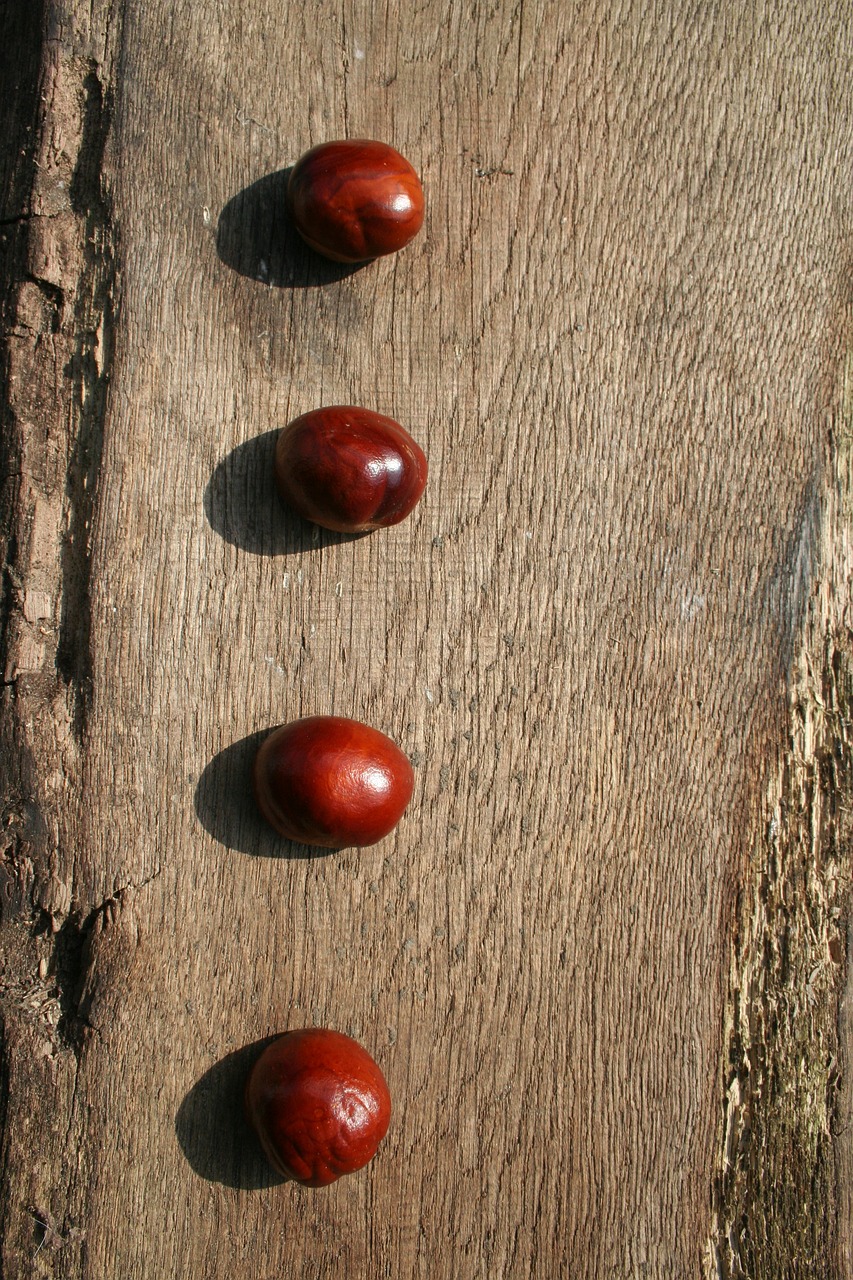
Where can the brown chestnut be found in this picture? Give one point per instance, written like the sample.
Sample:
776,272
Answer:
319,1105
333,782
355,200
349,469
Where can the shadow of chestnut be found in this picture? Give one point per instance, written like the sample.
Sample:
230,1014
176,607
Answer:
255,236
225,806
212,1128
243,505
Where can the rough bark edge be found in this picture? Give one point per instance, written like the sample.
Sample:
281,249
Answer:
59,290
776,1193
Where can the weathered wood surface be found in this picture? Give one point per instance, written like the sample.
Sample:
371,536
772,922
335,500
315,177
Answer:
603,961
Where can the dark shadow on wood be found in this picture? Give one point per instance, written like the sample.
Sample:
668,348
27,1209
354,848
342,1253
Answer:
226,808
255,236
212,1128
21,43
242,504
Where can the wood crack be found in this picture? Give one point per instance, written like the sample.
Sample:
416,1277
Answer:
89,371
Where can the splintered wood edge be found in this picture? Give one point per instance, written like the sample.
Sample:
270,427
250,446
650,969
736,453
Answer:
786,1103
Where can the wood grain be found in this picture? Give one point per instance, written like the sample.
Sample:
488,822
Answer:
621,339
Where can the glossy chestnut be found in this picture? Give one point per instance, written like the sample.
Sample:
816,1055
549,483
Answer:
355,199
319,1105
332,782
349,469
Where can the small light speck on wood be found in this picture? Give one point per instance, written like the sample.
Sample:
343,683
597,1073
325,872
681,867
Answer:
603,961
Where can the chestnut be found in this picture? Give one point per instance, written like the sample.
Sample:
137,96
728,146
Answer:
333,782
349,469
319,1105
355,200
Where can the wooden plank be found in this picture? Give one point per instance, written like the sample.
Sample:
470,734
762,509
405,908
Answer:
602,959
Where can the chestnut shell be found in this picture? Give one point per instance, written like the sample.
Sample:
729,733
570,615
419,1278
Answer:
355,199
319,1105
349,469
331,782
